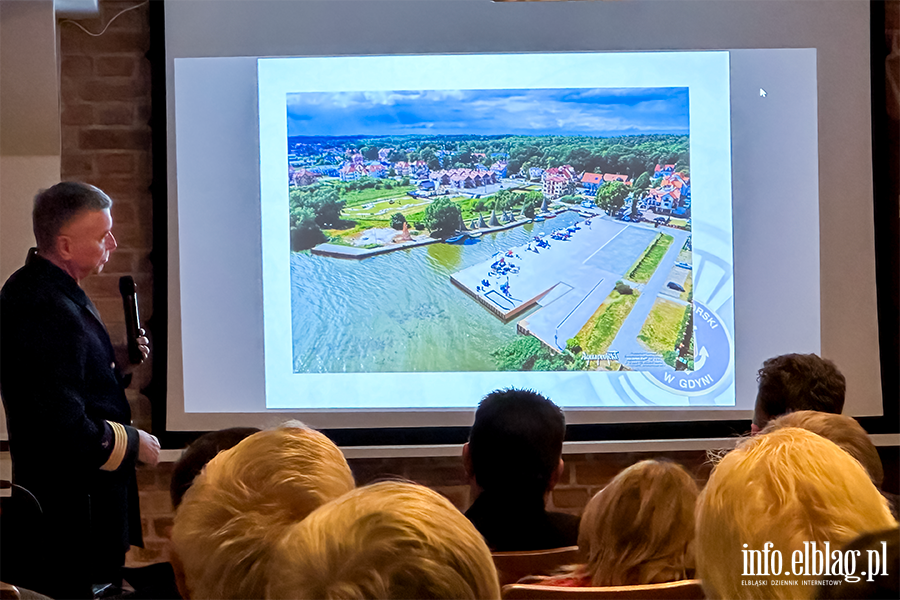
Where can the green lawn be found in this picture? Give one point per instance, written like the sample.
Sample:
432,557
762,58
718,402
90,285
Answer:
601,329
663,326
643,269
373,195
688,292
411,208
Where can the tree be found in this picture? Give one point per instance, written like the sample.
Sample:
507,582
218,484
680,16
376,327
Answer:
442,217
611,196
514,355
324,202
371,153
328,206
535,198
504,199
638,191
398,156
304,232
397,221
643,181
635,207
428,155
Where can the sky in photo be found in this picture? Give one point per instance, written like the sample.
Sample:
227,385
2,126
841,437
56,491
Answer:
589,112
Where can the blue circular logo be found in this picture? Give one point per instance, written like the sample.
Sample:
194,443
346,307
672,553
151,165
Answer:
712,360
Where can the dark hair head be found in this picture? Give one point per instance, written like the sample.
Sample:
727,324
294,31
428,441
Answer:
204,449
56,206
798,382
516,441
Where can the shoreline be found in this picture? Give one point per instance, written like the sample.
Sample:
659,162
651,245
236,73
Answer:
354,253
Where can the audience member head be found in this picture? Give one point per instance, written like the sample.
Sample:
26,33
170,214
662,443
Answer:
385,540
515,445
843,431
640,528
784,488
200,452
882,582
58,205
797,382
241,503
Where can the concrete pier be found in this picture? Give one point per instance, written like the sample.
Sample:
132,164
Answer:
567,280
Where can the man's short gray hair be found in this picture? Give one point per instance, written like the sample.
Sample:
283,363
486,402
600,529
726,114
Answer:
56,206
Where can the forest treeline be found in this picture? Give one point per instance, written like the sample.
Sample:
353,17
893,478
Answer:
629,155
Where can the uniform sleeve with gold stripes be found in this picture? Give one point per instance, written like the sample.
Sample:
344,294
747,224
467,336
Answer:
122,443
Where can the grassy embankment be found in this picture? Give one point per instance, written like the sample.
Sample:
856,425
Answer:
600,330
688,293
642,270
662,328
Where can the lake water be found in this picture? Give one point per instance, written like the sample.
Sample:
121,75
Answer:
398,312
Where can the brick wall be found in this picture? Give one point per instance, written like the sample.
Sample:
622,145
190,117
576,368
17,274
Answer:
105,109
104,115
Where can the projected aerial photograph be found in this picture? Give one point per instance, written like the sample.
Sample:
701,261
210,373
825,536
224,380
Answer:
490,230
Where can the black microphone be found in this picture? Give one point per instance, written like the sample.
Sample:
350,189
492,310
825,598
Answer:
128,289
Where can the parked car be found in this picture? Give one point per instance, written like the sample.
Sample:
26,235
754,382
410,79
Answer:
683,265
675,286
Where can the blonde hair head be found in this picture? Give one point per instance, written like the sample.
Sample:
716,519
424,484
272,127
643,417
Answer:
639,529
240,504
386,540
842,430
786,487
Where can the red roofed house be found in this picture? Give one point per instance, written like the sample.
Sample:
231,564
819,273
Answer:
304,177
554,186
463,178
607,177
664,200
591,182
662,170
376,170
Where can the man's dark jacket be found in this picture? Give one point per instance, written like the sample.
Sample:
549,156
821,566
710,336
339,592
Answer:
68,421
519,522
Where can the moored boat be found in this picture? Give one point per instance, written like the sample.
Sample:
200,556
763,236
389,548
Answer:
457,238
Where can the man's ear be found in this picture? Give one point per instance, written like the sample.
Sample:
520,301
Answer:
557,474
467,461
63,247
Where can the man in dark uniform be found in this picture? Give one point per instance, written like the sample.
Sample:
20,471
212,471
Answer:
71,442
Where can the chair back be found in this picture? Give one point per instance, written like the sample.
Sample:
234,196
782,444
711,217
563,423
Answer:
513,566
688,589
9,592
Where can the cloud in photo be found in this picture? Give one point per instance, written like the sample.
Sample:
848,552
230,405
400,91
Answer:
587,112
